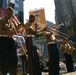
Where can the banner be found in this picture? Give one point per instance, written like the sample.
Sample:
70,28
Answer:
40,17
2,12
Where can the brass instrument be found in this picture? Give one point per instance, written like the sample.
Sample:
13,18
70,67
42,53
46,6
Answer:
54,29
18,34
66,47
61,34
69,48
58,26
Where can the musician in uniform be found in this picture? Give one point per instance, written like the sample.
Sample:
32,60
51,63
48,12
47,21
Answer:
33,58
53,52
8,53
67,50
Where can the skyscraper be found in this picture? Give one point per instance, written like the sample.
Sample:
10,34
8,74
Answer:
16,4
65,14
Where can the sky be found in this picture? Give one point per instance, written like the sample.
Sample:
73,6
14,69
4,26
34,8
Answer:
47,5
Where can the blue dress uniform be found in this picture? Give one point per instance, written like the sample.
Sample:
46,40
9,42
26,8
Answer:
33,58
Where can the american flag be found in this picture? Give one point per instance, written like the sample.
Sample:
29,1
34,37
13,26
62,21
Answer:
15,20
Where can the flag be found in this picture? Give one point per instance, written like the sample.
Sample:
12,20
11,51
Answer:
15,20
36,13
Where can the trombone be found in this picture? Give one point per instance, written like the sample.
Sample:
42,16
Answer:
54,29
61,34
18,34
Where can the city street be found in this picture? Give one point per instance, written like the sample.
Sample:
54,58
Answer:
72,73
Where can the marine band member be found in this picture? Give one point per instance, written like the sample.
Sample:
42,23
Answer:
66,47
33,58
8,53
67,50
53,52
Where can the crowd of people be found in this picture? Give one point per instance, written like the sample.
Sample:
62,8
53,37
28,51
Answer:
8,48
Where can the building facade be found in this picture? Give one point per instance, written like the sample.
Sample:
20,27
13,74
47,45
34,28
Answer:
16,4
65,13
74,6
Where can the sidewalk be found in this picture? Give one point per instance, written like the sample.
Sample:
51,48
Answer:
46,73
72,73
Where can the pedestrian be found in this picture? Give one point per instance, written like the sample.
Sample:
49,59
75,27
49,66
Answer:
8,52
33,58
53,52
67,50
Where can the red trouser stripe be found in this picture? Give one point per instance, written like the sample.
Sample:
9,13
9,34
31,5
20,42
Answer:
30,57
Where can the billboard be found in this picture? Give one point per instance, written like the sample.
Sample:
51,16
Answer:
40,17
